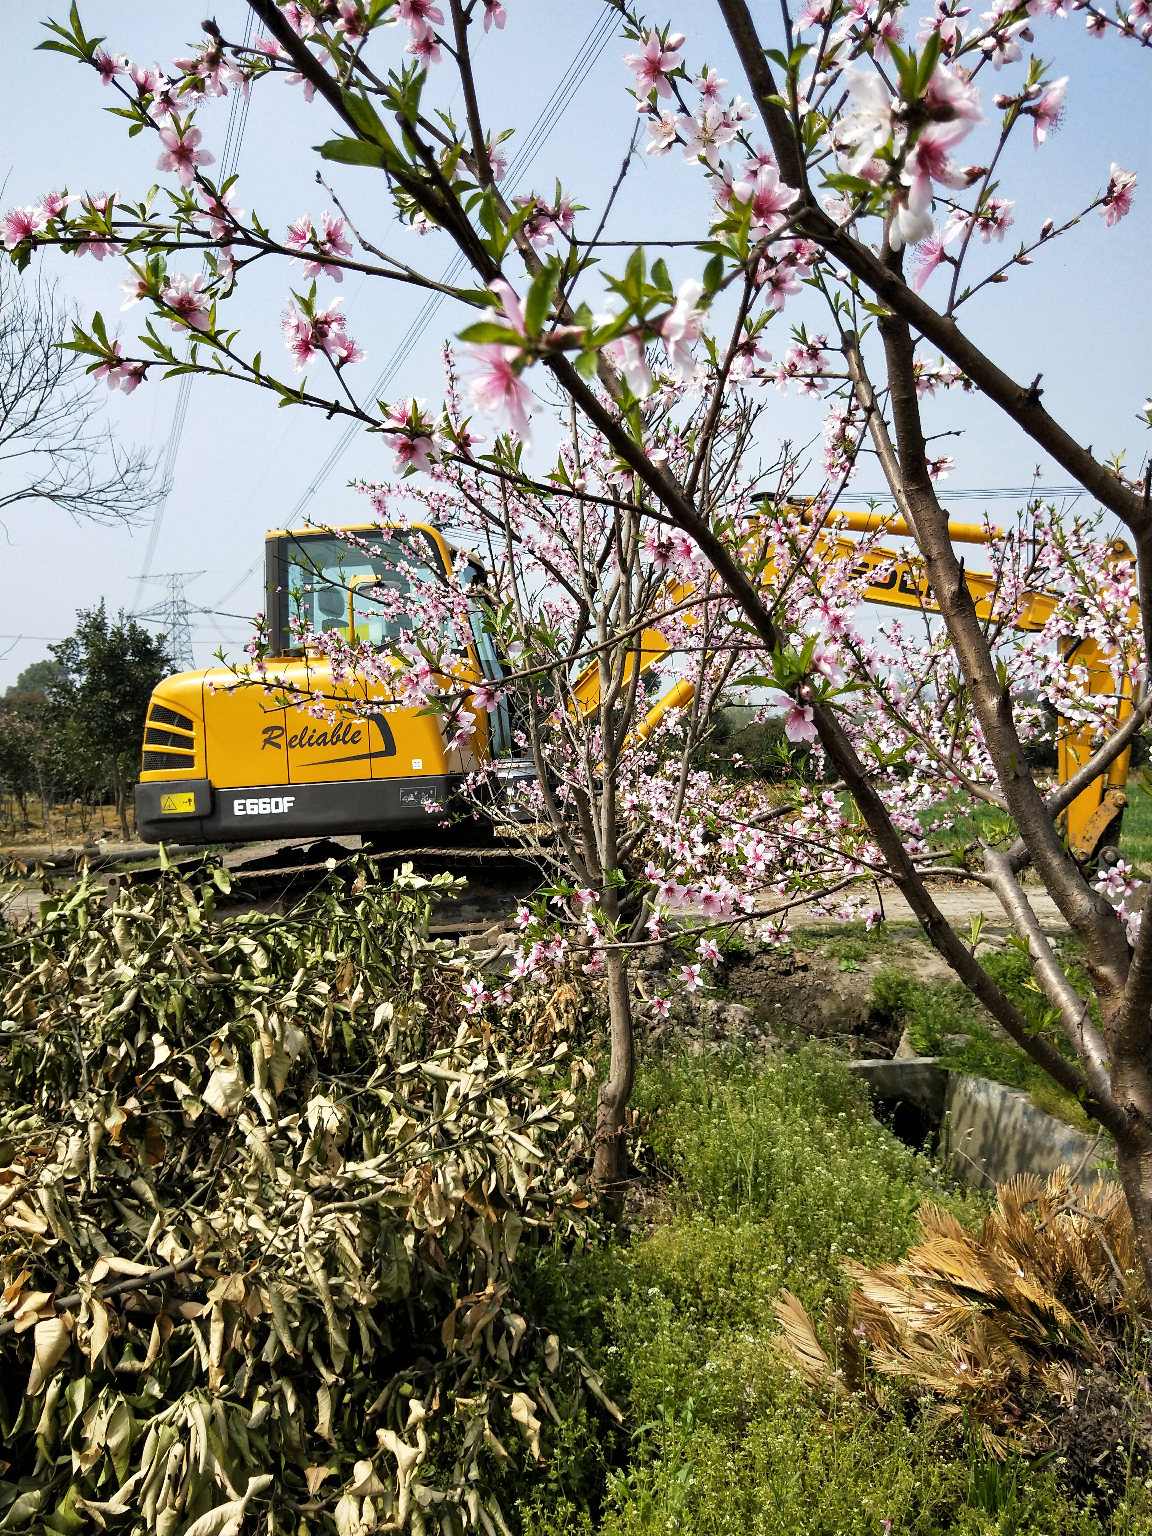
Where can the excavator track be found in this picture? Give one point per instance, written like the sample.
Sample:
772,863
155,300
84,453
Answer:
275,879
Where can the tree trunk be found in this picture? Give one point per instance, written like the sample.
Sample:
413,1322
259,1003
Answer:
121,807
610,1165
1134,1165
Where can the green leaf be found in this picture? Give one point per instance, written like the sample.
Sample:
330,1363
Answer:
363,114
634,274
928,61
539,300
486,332
351,152
714,274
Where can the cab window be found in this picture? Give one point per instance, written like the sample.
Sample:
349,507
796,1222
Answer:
333,584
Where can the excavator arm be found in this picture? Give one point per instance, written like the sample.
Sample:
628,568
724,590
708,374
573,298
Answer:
1093,819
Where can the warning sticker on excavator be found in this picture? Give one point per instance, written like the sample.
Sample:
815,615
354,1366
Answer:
177,805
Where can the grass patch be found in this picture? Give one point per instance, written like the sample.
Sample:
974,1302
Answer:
776,1175
1136,836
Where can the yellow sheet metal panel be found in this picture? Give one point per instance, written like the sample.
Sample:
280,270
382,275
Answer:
244,731
174,744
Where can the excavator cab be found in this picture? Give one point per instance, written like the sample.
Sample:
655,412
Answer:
225,762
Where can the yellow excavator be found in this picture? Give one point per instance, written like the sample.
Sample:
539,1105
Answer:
223,763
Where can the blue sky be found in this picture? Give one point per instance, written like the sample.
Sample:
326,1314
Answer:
1081,315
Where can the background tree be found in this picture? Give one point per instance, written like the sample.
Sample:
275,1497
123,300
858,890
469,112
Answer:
37,677
109,672
52,446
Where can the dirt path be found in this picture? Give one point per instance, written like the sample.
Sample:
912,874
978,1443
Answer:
958,903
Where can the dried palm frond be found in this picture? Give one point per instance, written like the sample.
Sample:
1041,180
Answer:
989,1326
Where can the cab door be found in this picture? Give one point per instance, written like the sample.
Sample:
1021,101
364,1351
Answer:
244,736
321,751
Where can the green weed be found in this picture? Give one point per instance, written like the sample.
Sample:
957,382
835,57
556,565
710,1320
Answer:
776,1175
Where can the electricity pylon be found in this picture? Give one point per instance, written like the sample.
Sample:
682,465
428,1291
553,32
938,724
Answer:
172,613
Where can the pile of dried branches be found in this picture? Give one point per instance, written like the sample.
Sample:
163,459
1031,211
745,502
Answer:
261,1201
1031,1334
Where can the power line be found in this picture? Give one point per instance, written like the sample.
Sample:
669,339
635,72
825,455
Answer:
574,76
534,141
229,158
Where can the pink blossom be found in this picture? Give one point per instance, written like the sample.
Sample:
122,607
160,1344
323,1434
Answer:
707,134
184,295
331,240
509,303
680,327
420,16
867,128
324,332
94,244
475,995
827,663
1096,25
951,98
993,219
302,22
690,977
627,352
53,204
777,281
120,375
221,212
709,950
351,21
928,162
300,233
799,724
652,65
769,197
1047,111
585,897
710,86
296,78
662,130
181,155
1002,45
660,1007
136,288
412,453
425,49
813,13
1118,198
214,71
941,468
494,14
22,224
147,81
927,257
670,894
109,65
499,391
